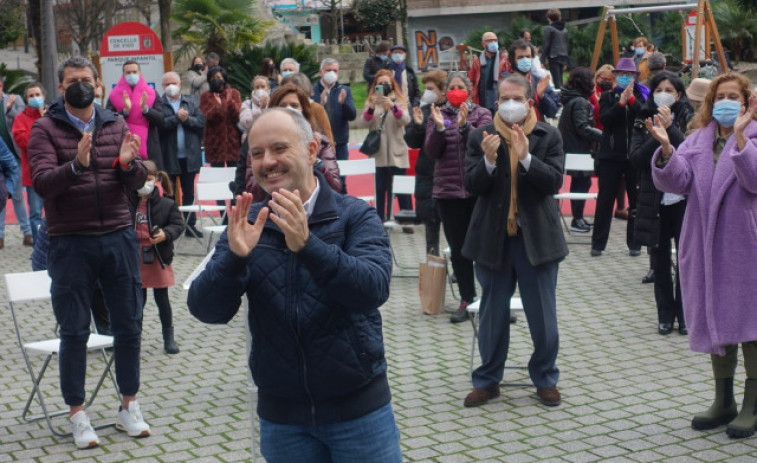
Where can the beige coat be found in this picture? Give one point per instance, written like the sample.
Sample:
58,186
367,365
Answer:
393,150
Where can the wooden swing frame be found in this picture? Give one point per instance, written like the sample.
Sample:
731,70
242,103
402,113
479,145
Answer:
704,17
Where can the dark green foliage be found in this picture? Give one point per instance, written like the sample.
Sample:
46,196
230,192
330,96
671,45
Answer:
244,64
14,81
376,15
12,21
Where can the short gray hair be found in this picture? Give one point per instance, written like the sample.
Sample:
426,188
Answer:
328,61
172,74
304,130
459,75
288,61
520,81
656,61
75,62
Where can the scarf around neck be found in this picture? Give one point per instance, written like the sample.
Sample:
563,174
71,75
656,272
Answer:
507,133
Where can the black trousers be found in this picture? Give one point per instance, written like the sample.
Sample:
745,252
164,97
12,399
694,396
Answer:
384,182
428,212
668,296
579,183
187,181
556,67
456,215
610,173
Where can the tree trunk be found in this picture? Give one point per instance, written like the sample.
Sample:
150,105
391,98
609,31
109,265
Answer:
34,13
164,7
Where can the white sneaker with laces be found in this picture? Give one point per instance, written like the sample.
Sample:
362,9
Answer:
84,434
130,420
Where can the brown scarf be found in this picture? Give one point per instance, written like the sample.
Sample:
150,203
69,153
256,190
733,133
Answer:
507,133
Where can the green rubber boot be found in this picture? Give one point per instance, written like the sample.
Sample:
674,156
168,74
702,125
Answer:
744,424
723,409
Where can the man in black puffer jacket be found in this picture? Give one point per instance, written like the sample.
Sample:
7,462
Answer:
315,271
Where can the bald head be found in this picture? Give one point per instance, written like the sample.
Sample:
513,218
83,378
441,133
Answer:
489,42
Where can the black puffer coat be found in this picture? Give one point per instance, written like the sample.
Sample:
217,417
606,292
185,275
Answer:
577,124
643,146
163,213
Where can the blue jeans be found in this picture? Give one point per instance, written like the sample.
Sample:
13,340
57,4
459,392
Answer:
35,210
373,438
19,207
537,287
76,264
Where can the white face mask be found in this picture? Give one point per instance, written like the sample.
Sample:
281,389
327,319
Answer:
259,94
429,97
664,99
172,90
147,188
512,111
330,77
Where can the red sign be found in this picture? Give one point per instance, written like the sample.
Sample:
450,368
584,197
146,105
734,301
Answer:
130,38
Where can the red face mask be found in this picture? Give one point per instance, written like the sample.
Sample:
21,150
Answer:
456,97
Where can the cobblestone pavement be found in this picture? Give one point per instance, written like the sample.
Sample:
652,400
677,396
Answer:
628,393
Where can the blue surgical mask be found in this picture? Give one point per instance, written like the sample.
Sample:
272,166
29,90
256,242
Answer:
726,112
624,81
398,58
98,102
639,51
383,58
286,73
524,65
132,79
492,47
36,102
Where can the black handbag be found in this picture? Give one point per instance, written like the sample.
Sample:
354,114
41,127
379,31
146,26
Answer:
372,141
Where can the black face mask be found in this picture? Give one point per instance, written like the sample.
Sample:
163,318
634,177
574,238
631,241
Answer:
605,86
217,85
198,67
80,95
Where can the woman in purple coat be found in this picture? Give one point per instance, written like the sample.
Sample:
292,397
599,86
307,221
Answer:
716,169
446,142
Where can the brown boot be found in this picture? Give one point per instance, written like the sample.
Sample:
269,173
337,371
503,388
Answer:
479,396
2,243
28,240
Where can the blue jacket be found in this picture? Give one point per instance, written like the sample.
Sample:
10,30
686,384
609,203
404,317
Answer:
9,169
339,114
317,352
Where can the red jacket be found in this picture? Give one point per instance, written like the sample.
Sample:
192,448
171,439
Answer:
221,136
474,74
97,201
22,128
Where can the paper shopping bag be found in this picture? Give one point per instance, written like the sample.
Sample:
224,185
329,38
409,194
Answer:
432,282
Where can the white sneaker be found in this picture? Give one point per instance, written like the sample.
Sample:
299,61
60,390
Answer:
131,421
84,434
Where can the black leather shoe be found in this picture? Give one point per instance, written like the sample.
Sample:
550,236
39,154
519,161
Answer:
191,231
666,328
682,330
634,252
649,277
596,252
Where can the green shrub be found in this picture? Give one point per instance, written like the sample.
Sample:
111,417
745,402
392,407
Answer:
244,64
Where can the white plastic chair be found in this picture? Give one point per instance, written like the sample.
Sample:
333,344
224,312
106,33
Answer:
516,304
581,163
215,175
355,167
401,185
34,287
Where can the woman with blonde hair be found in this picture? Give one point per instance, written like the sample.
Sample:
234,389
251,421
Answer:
715,168
385,97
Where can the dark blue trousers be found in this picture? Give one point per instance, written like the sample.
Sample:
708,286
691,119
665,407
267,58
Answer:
75,264
537,287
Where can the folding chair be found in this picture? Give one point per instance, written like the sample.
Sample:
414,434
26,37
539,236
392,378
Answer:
22,289
213,192
581,163
356,167
219,175
473,310
401,185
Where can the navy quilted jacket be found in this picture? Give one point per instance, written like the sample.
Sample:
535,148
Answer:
318,352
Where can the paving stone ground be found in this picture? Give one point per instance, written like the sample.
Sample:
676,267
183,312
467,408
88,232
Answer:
628,393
